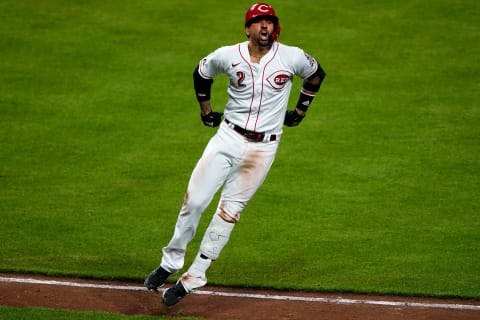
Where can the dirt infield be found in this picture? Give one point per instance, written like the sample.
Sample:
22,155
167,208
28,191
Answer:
224,303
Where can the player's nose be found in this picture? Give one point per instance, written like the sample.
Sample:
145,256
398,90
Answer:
264,23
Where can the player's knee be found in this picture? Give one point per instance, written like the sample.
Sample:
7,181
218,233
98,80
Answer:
230,210
226,217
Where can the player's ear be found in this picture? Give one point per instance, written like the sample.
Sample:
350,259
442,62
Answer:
247,32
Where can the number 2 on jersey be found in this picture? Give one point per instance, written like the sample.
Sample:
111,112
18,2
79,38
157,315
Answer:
241,78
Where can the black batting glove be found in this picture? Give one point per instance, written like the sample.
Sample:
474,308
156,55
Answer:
213,119
292,118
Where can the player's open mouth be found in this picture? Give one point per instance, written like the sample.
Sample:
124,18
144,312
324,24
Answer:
263,35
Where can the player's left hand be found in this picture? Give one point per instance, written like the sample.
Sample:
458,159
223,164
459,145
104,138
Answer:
213,119
292,118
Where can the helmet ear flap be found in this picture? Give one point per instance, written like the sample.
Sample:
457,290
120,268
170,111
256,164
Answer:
276,32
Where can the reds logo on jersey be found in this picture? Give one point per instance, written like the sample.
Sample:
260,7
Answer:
278,79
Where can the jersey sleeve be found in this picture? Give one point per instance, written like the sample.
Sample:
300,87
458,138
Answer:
305,64
213,64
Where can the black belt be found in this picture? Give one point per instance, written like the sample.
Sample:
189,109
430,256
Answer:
251,135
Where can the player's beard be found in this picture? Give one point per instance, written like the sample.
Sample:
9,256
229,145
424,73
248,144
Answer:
263,42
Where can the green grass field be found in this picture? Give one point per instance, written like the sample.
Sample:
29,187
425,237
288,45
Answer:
9,313
377,191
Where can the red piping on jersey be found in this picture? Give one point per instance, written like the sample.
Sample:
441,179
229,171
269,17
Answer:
200,71
263,78
253,85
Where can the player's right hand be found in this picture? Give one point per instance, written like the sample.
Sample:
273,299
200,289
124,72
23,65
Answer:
292,118
213,119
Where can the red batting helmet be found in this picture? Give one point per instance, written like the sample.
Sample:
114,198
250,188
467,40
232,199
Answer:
263,10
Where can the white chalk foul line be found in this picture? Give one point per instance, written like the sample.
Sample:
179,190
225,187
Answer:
253,295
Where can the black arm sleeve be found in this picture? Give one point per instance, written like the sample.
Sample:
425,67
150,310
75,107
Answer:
319,73
202,86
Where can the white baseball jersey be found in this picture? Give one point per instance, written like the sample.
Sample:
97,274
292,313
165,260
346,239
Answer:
258,92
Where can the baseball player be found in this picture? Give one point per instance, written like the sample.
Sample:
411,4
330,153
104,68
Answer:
240,154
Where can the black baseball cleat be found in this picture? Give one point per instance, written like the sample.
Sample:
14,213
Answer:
156,278
174,294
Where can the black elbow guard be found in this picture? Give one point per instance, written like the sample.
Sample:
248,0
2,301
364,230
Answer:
202,86
315,87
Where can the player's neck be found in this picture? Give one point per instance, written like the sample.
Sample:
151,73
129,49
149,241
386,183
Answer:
257,52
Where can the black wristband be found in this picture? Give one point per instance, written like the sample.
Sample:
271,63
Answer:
304,101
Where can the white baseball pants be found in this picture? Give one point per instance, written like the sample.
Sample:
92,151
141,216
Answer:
230,160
